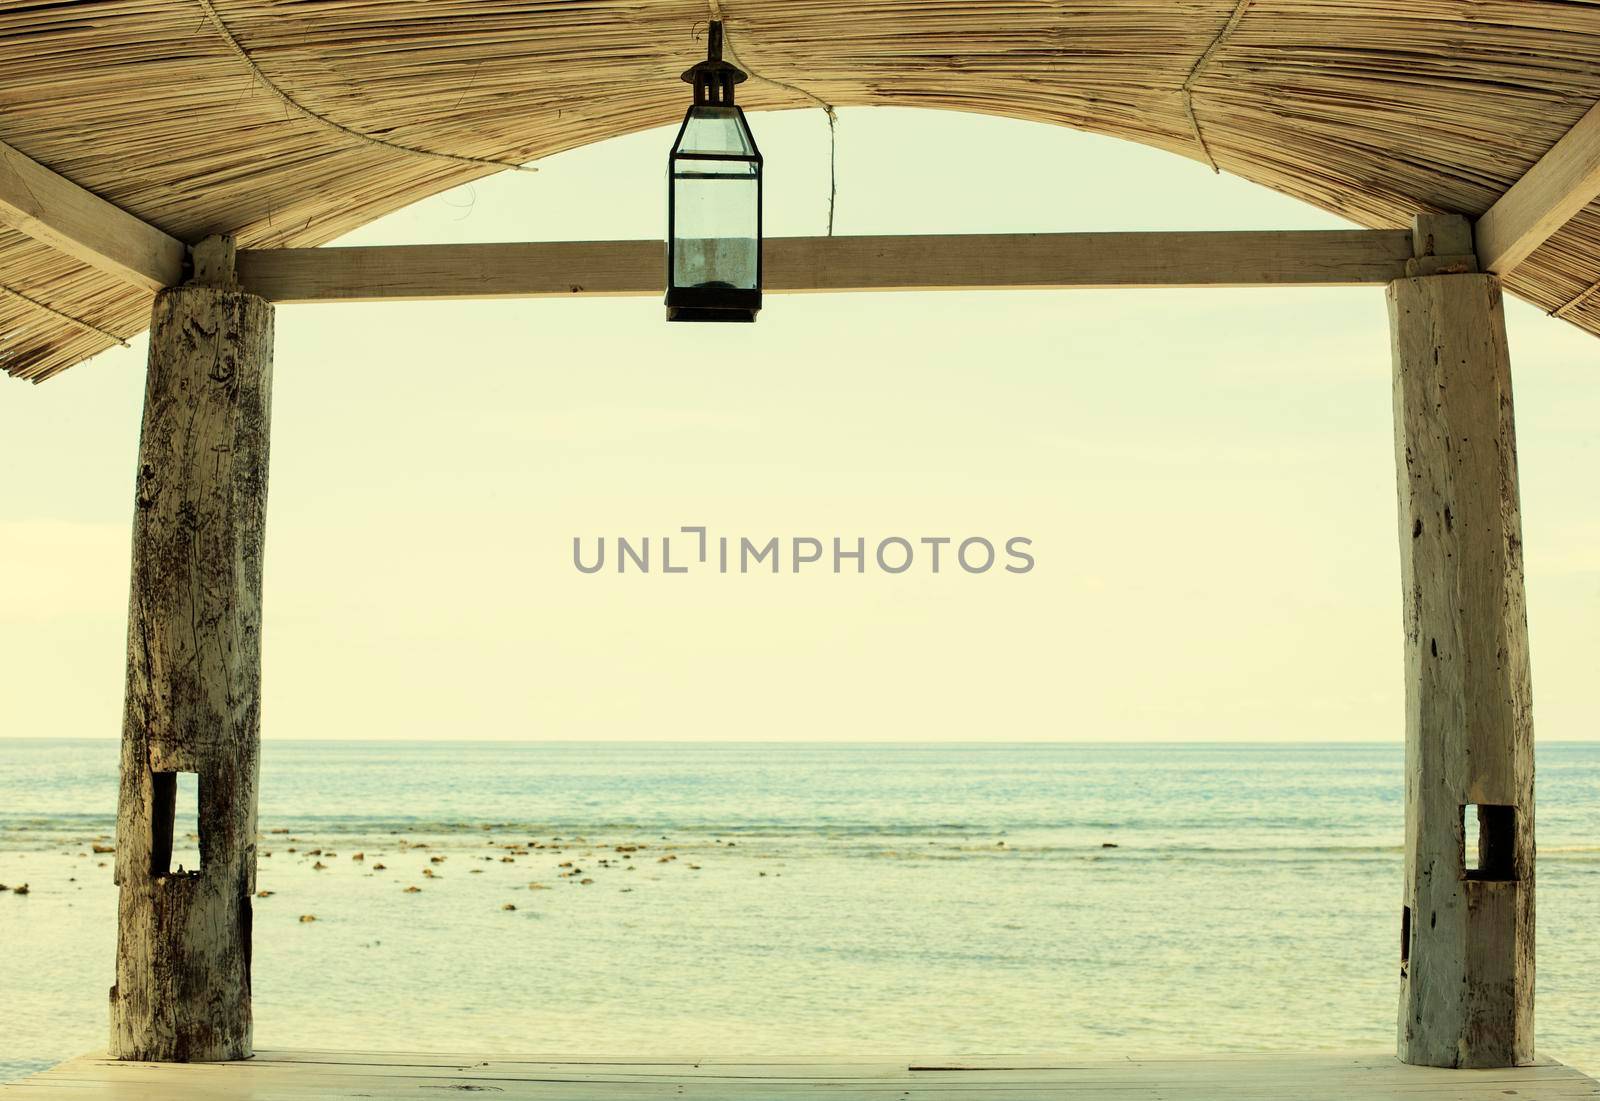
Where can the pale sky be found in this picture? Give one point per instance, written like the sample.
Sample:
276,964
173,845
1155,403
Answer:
1207,478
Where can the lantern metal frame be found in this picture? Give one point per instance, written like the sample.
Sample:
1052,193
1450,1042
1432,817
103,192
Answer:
713,80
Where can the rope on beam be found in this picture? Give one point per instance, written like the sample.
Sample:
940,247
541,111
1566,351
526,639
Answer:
1194,75
306,112
1580,299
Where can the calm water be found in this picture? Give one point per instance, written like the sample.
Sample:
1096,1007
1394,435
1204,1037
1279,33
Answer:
863,900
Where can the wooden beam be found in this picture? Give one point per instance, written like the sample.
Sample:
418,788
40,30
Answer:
1324,258
1547,197
57,212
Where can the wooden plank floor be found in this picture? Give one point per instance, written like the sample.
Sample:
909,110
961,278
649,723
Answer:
301,1075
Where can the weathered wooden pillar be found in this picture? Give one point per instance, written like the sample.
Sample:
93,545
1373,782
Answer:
194,672
1466,965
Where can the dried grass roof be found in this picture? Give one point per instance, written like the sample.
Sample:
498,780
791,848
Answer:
289,122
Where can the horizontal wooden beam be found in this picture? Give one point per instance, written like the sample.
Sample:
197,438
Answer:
57,212
1547,197
1322,258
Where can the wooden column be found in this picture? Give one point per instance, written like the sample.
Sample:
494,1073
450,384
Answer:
194,672
1466,987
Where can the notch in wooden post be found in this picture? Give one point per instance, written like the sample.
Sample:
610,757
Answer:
169,792
1492,854
1405,939
1442,245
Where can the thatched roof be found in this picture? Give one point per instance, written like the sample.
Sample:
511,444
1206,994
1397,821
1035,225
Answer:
289,122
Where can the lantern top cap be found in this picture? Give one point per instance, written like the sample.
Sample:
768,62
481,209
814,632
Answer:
714,78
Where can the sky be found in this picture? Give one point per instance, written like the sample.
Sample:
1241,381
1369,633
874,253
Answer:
1206,479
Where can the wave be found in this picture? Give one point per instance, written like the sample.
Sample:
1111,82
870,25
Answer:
1164,841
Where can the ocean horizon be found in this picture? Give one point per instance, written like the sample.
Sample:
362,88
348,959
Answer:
765,898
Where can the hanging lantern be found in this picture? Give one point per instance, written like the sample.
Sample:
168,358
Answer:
714,201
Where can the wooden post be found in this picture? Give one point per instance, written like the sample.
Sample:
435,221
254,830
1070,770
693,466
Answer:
1466,986
194,672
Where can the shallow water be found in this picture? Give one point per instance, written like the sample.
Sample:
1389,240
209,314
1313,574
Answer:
860,900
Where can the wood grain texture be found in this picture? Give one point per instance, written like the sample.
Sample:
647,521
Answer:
1466,992
1546,198
868,263
1322,1076
57,212
194,673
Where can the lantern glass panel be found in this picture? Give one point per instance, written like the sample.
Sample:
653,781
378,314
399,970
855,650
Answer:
714,207
715,132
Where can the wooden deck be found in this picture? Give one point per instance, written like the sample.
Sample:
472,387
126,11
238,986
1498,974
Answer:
300,1075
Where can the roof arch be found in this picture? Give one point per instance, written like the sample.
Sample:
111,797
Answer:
291,122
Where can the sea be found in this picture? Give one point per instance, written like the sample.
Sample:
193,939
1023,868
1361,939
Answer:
756,899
